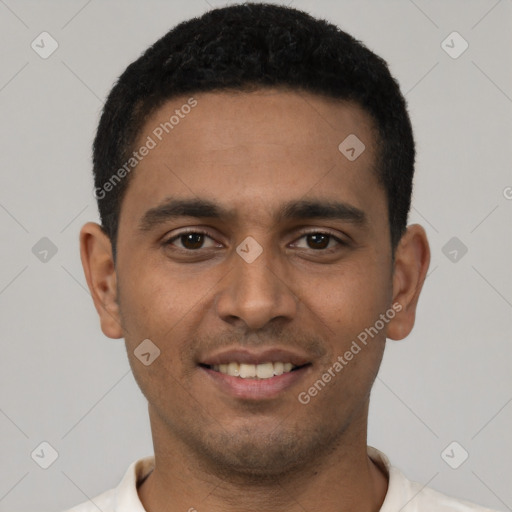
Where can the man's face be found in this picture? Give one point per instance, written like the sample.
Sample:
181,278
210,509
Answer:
217,297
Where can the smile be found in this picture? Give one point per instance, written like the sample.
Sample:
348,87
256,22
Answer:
254,371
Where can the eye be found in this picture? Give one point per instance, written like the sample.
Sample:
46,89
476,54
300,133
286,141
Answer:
191,240
319,240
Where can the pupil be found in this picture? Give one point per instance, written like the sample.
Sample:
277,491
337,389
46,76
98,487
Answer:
195,240
317,239
192,240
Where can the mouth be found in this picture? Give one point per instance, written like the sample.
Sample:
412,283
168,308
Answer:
243,374
260,371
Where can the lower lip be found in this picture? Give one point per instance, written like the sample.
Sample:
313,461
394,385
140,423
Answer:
255,389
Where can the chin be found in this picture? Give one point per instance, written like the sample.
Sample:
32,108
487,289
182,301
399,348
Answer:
262,456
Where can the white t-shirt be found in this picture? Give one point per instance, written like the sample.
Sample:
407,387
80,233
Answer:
403,495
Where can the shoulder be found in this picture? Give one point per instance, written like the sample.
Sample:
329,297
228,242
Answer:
104,502
425,498
123,497
409,496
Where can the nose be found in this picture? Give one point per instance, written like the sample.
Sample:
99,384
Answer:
256,293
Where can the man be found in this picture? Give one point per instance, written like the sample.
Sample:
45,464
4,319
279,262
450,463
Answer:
253,171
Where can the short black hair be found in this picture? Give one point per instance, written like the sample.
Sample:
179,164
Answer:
254,46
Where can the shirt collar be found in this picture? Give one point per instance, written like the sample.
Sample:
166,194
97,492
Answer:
126,496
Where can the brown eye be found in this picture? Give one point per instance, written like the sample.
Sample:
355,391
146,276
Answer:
318,240
191,241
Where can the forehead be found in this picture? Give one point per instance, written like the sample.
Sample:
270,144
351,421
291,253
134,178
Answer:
254,151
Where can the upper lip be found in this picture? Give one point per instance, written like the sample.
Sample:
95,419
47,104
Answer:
246,356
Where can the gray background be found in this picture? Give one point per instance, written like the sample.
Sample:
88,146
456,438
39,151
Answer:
63,382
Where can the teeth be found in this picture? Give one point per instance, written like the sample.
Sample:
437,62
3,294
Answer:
264,371
233,369
252,371
247,371
278,368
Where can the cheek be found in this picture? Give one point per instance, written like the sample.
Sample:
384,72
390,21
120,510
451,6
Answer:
349,303
156,307
351,297
154,299
165,306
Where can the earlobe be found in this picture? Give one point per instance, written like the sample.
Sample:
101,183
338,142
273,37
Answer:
100,273
412,259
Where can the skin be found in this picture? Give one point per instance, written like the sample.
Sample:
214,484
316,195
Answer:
251,152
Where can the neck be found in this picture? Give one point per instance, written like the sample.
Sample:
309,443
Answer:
345,479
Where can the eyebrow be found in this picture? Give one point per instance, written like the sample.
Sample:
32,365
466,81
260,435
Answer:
173,208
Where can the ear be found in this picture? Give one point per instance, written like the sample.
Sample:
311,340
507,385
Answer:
412,259
100,273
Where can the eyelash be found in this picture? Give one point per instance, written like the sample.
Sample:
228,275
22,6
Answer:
197,231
